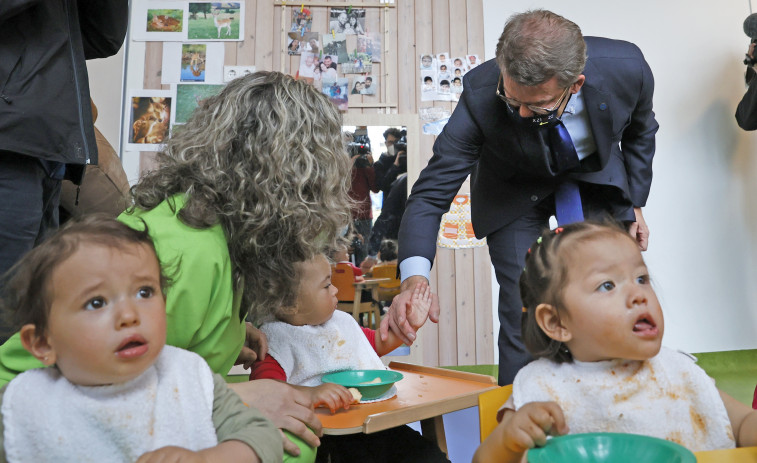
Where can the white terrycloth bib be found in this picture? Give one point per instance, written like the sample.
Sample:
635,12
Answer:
667,396
308,352
46,418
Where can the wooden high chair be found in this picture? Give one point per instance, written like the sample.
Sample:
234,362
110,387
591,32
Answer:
488,404
389,289
348,294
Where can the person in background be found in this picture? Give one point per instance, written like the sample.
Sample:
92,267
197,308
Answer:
257,180
558,124
388,222
388,166
593,321
100,277
746,111
363,182
46,128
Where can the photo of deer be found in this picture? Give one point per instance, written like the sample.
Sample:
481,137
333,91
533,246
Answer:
193,58
162,20
214,21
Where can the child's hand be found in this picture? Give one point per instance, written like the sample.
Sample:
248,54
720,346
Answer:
332,396
420,302
529,426
172,454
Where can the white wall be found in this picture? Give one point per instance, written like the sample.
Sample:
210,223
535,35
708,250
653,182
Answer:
702,210
105,79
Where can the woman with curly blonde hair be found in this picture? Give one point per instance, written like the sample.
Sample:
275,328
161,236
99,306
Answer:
256,180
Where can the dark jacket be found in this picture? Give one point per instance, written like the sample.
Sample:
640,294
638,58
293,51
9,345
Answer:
511,173
45,109
746,111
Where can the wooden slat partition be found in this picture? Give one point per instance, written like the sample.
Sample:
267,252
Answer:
461,278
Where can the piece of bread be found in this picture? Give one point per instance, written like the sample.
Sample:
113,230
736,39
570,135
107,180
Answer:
356,395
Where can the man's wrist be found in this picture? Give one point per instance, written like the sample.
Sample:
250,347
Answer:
411,281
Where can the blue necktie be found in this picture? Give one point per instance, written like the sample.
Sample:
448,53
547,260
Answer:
568,207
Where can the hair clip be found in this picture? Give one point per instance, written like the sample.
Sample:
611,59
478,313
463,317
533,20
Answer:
559,230
525,309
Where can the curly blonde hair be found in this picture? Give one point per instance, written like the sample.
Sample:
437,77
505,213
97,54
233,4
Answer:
265,158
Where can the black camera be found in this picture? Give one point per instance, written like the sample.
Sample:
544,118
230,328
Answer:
360,145
400,147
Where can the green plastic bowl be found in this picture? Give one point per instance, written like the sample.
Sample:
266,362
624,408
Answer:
606,447
359,378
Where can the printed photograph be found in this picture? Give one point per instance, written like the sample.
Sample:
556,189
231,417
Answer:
442,59
428,85
427,62
293,43
364,47
337,93
460,63
347,21
310,42
363,85
302,20
193,58
214,21
359,64
149,120
336,45
473,61
189,96
327,69
164,20
308,63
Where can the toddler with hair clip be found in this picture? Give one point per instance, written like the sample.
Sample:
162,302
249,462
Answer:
593,322
90,306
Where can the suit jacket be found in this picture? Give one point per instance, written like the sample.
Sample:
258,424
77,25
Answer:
511,172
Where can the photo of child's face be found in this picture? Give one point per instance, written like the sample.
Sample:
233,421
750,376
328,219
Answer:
426,61
316,298
458,62
107,321
442,68
458,72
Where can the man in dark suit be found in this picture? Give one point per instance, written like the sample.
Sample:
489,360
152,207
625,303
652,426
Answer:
509,132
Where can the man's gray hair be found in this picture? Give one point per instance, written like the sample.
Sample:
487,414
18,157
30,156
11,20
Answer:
537,45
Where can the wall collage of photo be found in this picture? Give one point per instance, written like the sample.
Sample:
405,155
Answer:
338,62
193,63
442,76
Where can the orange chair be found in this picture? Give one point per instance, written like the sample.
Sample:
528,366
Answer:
349,295
387,291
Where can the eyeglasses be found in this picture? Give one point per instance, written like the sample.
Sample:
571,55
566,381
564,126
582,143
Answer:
538,110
